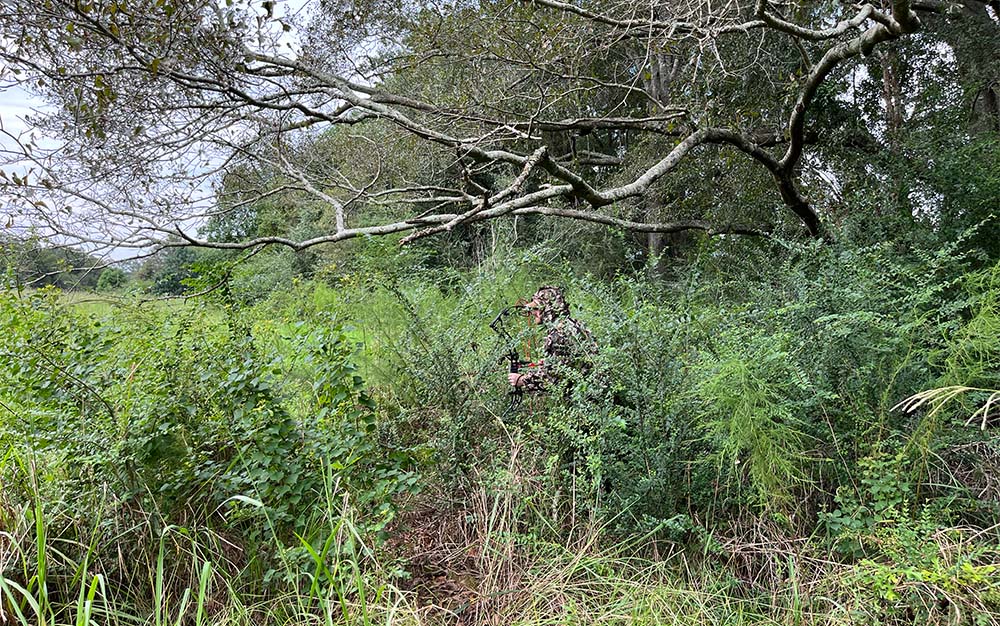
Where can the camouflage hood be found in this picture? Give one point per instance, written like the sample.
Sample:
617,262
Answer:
551,302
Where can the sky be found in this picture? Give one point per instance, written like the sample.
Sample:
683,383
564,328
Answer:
15,103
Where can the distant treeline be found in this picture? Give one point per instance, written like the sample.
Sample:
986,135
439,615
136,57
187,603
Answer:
35,264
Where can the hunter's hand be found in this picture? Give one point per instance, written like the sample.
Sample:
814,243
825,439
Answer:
515,379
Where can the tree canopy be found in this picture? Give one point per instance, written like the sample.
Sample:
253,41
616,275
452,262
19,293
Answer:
172,122
772,222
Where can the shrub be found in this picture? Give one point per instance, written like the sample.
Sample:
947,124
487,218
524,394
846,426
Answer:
165,417
112,279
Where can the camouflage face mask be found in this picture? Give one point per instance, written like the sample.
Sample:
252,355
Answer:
551,303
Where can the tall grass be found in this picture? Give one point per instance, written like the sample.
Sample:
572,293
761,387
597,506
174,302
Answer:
189,580
685,489
492,572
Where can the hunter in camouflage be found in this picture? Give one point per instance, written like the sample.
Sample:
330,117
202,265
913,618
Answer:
568,344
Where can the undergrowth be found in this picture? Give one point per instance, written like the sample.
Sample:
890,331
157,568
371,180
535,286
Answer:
346,451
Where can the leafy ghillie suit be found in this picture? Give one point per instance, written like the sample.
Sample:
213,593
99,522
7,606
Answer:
568,345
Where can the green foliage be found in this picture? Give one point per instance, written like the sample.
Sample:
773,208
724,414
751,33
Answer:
754,397
241,460
968,182
35,264
972,350
925,573
167,271
882,496
112,279
752,386
167,411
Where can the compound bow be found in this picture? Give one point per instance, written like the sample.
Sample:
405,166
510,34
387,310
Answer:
515,363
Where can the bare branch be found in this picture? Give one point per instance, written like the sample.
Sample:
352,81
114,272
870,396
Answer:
164,125
644,26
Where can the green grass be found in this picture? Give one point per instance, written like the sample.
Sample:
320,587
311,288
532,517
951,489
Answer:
154,509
